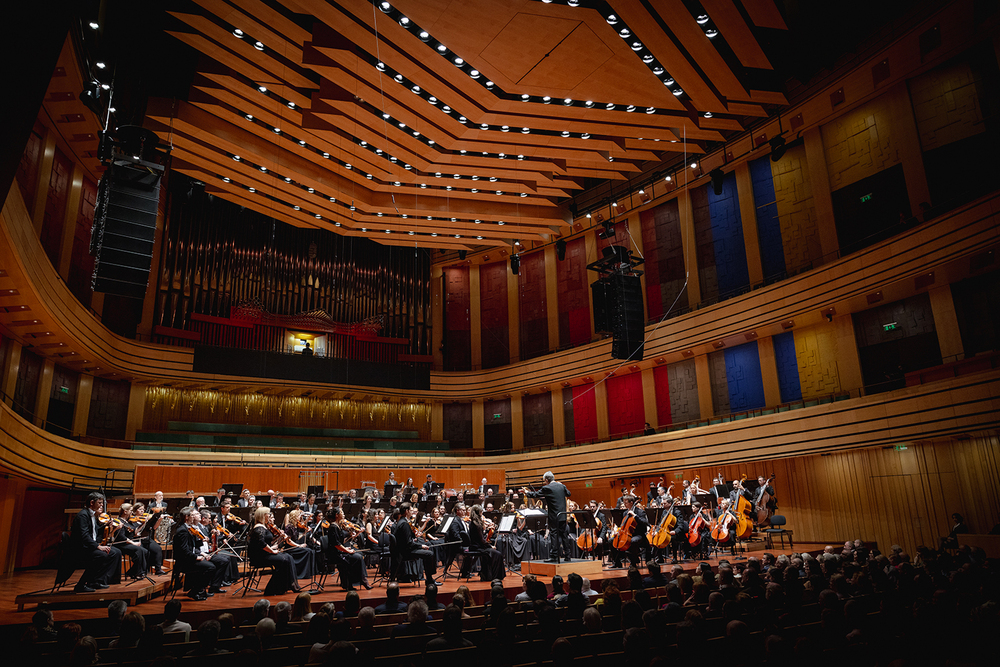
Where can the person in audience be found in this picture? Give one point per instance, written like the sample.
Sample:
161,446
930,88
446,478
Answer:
451,635
466,594
587,590
318,633
171,619
66,637
366,625
264,633
591,620
352,604
85,652
282,618
302,608
459,601
42,622
116,612
130,631
227,626
526,582
416,621
208,639
575,600
557,589
430,597
655,578
392,605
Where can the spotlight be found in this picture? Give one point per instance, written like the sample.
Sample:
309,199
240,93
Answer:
717,177
608,230
778,148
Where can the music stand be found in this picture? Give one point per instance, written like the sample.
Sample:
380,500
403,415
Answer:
316,489
390,489
492,490
232,490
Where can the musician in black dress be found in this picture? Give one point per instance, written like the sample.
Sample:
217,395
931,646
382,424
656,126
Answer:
490,560
125,539
147,530
341,553
407,547
555,494
101,563
264,550
200,573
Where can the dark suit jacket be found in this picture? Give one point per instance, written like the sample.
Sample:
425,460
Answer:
456,534
428,488
81,533
555,495
187,548
403,533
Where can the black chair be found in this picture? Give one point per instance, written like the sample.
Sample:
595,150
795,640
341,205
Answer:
66,563
466,555
252,575
778,523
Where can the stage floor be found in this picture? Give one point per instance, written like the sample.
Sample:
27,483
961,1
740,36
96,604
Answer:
67,608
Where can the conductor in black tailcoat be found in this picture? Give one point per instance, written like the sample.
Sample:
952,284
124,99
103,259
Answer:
102,564
555,494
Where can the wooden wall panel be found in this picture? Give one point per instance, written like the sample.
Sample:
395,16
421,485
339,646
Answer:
534,326
60,180
457,320
574,299
537,409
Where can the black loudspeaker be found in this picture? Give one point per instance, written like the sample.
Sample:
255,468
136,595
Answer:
515,264
462,253
601,293
627,325
717,176
561,249
124,227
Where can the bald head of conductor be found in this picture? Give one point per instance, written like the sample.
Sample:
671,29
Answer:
548,477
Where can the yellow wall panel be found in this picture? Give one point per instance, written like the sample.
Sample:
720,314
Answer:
816,352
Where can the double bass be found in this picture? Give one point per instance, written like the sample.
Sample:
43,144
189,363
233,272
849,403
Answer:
765,505
744,524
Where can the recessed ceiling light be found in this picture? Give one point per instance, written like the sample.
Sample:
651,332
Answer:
458,62
648,58
678,92
708,114
262,89
637,46
249,116
650,110
237,158
225,179
694,165
585,135
525,130
302,142
252,189
711,32
442,48
630,108
565,133
424,35
277,130
501,223
546,99
568,101
403,21
326,155
94,25
263,168
525,97
609,106
612,19
433,233
624,33
474,74
258,45
310,190
702,19
668,178
100,64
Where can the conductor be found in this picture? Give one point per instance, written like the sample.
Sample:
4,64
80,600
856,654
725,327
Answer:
555,495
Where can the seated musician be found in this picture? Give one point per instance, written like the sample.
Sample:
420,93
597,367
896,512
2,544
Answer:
458,533
340,553
125,539
101,562
225,561
154,558
490,560
264,549
678,536
407,547
157,502
603,530
638,541
202,578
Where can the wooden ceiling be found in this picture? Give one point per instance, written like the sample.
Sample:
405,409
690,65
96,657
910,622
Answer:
455,123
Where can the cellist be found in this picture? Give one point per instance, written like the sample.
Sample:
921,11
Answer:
639,528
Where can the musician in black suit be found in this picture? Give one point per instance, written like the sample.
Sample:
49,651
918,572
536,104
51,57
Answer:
199,571
490,560
157,501
407,546
102,564
555,495
639,541
458,532
429,486
484,488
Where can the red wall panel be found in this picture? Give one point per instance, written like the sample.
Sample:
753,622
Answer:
493,309
662,383
534,326
584,413
457,322
625,406
573,289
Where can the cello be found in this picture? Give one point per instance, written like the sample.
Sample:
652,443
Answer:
661,536
695,527
587,539
623,540
720,527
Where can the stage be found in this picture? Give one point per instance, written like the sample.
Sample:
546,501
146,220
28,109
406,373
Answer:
22,592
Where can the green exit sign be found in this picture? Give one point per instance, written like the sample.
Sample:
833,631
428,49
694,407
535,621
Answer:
900,448
63,390
497,415
890,326
867,197
589,485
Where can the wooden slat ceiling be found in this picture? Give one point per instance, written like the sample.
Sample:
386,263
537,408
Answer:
454,123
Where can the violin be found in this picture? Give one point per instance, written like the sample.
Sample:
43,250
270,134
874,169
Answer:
281,537
235,519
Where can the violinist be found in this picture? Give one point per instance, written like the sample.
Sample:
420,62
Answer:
408,548
154,558
101,563
227,563
490,560
202,578
227,519
265,549
123,536
245,499
340,553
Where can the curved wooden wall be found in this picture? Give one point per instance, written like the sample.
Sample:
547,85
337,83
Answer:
941,245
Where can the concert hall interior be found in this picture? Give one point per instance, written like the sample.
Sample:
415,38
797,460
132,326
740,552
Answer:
295,246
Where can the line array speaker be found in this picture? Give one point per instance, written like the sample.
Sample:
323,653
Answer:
124,227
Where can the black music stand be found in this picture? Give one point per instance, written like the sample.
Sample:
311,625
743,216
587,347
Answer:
505,526
390,489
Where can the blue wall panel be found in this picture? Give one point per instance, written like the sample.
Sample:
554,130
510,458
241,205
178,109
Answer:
772,254
743,377
727,236
788,367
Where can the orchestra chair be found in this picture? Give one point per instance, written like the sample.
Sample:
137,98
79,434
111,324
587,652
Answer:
66,563
778,523
398,563
252,574
176,581
465,554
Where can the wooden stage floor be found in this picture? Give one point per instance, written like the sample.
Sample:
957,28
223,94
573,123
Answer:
68,606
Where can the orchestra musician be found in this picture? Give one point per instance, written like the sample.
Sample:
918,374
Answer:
429,485
763,487
340,553
244,500
555,495
483,487
101,562
407,546
266,549
200,573
123,537
639,541
490,560
227,563
154,559
601,535
678,536
158,502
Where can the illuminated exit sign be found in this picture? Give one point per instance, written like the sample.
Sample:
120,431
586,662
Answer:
867,197
890,327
